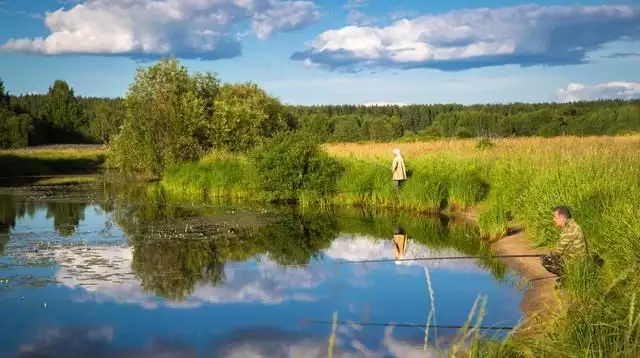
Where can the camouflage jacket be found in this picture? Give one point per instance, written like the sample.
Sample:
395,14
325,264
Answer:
572,243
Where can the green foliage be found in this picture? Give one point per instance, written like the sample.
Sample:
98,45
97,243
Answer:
244,115
347,130
14,129
380,130
463,132
290,164
107,118
63,110
317,125
169,116
214,176
348,122
4,96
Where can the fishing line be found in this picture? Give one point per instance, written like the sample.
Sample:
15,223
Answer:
439,258
410,325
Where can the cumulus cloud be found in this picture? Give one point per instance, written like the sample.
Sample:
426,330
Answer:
149,28
362,248
523,35
105,275
609,90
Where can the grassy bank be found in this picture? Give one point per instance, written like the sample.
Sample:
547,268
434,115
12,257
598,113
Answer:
51,161
512,182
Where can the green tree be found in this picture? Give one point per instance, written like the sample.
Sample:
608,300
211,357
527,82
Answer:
14,129
380,129
347,129
169,118
107,118
4,96
244,116
64,111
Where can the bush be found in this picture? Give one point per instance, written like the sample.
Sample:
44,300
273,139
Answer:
463,132
291,164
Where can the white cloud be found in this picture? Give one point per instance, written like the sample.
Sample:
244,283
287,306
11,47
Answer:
104,273
461,39
359,18
362,248
184,28
608,90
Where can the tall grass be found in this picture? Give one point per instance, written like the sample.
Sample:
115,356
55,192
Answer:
217,175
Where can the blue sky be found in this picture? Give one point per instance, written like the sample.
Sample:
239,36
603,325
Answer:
340,51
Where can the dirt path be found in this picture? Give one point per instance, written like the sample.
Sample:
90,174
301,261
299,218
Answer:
541,298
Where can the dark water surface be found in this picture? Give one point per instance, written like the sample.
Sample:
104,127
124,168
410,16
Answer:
104,269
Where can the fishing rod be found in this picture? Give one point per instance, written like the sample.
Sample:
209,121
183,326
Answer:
410,325
439,258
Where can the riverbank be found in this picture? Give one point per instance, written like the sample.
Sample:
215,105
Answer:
510,182
541,299
52,160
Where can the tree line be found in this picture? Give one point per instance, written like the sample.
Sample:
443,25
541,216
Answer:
350,123
57,117
62,117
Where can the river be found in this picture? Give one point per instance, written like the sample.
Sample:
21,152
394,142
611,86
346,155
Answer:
96,267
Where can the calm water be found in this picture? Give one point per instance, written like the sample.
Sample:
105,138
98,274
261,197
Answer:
115,270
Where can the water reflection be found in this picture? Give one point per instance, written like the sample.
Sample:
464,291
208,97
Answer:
399,243
138,274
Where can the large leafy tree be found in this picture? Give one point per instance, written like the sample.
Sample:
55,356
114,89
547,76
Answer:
245,115
169,116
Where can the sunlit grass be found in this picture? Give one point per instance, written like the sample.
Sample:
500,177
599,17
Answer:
48,161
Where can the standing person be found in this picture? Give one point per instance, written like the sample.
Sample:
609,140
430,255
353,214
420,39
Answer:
571,246
398,169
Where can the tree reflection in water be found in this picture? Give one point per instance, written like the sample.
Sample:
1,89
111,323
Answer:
177,247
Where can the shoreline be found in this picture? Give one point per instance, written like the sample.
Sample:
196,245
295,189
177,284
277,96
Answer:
540,300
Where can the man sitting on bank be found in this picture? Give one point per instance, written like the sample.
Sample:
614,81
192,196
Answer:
572,244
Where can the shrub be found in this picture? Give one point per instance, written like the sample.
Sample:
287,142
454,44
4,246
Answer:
291,164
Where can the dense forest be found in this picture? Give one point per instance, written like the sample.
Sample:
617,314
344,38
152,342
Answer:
60,116
57,117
